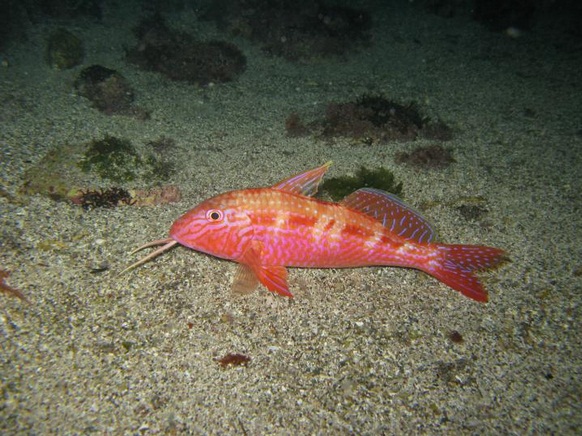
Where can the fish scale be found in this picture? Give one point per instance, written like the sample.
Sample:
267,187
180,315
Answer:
266,230
302,237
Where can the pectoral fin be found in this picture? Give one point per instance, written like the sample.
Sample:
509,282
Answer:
275,279
245,280
250,272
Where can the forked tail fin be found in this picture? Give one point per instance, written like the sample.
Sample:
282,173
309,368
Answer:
457,264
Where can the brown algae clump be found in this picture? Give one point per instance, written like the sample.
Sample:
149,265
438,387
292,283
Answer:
371,119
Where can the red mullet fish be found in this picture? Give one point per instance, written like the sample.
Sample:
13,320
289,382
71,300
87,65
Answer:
266,230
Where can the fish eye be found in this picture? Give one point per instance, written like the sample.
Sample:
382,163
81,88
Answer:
214,215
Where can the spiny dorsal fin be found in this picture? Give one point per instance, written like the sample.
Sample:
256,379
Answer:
304,183
392,213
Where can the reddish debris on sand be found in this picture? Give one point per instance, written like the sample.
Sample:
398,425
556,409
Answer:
153,197
8,289
234,360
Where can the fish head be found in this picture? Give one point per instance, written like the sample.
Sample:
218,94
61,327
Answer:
219,226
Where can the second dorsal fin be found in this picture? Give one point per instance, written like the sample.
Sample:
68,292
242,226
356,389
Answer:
389,210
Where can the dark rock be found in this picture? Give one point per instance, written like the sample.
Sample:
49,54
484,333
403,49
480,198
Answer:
64,50
108,91
179,56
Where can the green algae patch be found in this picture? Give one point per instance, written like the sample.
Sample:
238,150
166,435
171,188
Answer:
112,158
380,178
68,168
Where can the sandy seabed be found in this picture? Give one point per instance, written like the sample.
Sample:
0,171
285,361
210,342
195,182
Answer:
362,351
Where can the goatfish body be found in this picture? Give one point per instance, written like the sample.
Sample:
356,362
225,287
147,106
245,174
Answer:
266,230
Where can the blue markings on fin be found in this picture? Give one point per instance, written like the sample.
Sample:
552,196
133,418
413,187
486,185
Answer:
389,210
305,183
